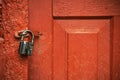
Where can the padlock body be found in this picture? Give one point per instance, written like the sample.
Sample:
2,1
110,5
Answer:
30,48
23,47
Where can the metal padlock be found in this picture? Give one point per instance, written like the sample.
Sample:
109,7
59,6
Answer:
30,44
26,48
23,45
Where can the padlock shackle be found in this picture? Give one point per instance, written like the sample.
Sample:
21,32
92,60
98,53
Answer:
28,31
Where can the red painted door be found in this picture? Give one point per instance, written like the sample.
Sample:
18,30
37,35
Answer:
80,41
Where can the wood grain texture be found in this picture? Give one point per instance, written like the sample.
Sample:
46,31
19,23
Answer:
86,7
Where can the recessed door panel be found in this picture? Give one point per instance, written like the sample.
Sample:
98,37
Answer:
81,49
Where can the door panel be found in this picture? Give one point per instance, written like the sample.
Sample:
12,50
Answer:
86,7
82,56
82,49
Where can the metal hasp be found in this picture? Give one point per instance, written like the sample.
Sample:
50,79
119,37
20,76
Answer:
26,47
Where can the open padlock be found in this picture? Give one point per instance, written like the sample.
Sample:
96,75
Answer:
26,47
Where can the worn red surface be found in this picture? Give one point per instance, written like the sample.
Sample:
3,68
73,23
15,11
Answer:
15,17
80,40
86,8
2,60
85,40
40,19
85,50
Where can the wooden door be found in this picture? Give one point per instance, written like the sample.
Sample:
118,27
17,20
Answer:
80,41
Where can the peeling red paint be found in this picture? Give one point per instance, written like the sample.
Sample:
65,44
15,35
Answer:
2,59
15,17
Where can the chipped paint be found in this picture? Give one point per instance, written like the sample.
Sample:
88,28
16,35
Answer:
15,17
